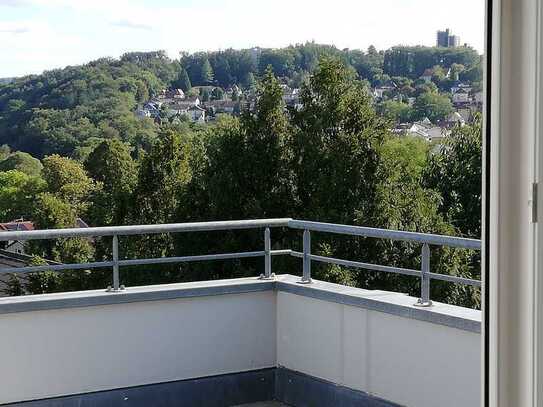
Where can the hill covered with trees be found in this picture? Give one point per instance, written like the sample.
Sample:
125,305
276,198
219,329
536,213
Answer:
69,111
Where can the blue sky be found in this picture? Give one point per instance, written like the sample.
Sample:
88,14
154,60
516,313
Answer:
44,34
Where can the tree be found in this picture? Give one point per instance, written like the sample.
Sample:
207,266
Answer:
51,212
23,162
67,180
206,74
398,112
455,171
163,175
183,81
18,192
112,168
433,106
204,94
404,203
5,151
335,154
335,146
249,82
217,94
456,70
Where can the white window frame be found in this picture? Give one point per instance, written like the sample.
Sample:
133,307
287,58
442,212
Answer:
512,251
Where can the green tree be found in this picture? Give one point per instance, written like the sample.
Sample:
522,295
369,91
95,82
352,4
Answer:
249,82
51,212
5,151
114,171
455,171
433,106
205,95
398,112
335,158
183,81
217,94
335,146
67,180
456,70
403,203
206,74
23,162
18,191
162,178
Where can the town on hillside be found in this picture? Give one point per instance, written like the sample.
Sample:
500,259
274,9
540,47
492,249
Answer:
427,106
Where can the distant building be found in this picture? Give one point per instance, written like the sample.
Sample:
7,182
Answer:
197,114
453,120
380,91
445,39
174,94
426,130
461,96
15,246
427,75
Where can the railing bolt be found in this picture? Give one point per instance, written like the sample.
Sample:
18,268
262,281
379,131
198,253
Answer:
306,277
424,300
268,275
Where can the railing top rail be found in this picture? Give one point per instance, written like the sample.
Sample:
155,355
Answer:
427,238
143,229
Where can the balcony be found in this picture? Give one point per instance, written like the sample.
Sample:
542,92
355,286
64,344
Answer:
275,337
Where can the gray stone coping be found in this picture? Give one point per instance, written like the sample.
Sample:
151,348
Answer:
382,301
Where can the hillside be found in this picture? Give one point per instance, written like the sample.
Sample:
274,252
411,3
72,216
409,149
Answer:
68,111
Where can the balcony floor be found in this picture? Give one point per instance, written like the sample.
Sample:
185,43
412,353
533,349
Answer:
263,404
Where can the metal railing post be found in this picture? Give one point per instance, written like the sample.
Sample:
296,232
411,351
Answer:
424,300
115,254
268,275
306,277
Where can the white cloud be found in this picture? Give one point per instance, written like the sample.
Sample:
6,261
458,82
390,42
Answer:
14,3
133,25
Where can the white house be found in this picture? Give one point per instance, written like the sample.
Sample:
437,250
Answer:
380,91
461,96
454,119
197,114
426,130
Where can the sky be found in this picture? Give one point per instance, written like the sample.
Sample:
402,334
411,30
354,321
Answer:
37,35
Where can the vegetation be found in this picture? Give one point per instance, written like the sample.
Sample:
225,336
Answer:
332,159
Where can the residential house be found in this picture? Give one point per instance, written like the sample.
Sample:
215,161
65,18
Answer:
380,91
427,75
180,106
223,106
175,94
461,96
453,120
197,114
150,109
292,98
426,130
14,246
459,85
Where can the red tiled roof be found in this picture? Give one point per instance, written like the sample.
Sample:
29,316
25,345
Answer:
14,225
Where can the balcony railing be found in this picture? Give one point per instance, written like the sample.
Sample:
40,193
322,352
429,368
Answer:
426,240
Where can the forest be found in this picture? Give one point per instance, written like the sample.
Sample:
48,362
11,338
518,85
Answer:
73,148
